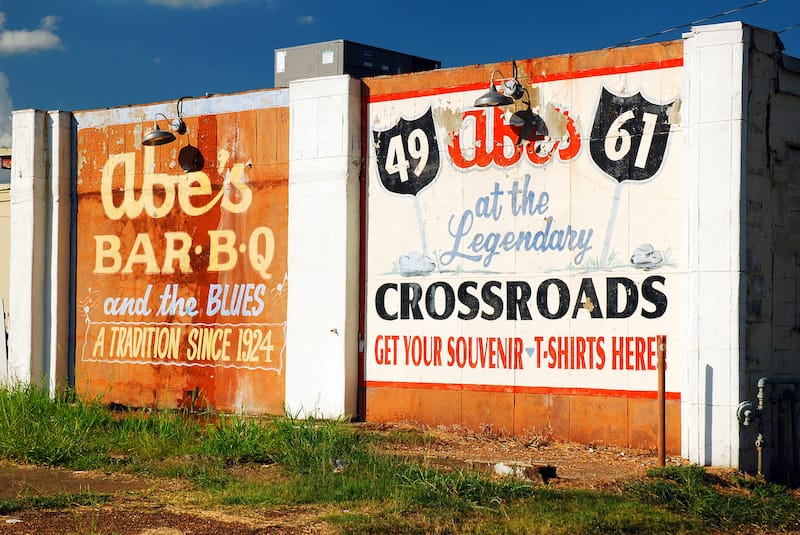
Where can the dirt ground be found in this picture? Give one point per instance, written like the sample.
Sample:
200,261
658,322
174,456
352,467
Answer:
142,506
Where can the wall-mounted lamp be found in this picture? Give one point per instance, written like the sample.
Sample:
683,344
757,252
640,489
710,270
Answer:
191,159
493,97
158,136
512,89
177,124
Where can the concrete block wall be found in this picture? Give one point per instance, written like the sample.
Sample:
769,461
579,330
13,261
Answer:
321,221
741,171
772,251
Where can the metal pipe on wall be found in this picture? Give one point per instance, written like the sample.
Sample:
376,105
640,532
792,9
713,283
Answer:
747,412
662,404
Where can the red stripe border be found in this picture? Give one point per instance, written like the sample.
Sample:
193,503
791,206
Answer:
536,79
511,389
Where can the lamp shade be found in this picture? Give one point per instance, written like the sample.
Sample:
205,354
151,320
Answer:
493,98
158,137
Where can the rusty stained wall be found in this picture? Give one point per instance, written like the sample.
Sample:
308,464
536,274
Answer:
446,339
182,276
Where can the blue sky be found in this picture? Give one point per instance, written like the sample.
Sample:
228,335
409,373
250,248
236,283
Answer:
86,54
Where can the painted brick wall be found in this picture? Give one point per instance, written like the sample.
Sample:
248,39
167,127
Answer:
517,277
181,284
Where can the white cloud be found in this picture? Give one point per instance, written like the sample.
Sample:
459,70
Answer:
5,112
22,41
307,19
195,4
49,22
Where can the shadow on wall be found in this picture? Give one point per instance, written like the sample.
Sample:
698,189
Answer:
780,435
771,442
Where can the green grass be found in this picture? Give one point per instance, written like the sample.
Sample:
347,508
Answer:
742,502
35,428
357,485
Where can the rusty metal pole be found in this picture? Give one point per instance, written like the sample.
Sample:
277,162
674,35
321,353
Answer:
661,342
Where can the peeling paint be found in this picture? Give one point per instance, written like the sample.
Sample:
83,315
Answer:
448,117
451,120
533,92
556,121
674,112
81,162
137,137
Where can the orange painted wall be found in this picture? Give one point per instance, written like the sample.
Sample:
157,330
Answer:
204,326
588,419
613,416
529,71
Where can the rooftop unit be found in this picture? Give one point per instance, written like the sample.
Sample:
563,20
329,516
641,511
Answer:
343,57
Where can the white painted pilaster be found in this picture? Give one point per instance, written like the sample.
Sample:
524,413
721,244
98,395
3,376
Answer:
27,259
714,59
324,222
39,263
60,263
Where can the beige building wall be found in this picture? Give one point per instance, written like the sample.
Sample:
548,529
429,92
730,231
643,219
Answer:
5,251
5,203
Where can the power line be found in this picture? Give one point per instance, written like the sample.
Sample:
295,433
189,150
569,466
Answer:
699,21
792,27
